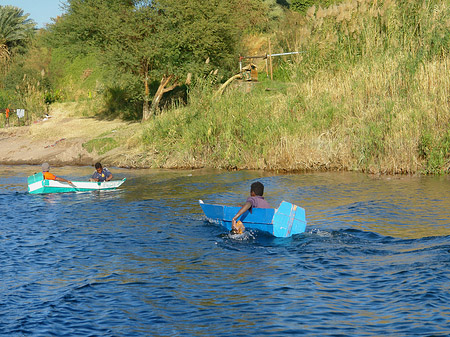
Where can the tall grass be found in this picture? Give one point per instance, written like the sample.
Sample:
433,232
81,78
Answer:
388,72
24,89
370,93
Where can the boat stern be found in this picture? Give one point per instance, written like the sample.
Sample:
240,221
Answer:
289,219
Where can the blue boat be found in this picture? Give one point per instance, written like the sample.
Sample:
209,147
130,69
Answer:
286,220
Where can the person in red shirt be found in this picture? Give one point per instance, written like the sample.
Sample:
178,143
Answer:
50,176
7,115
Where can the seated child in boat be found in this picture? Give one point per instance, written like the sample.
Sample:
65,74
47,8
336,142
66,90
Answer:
50,176
101,173
255,200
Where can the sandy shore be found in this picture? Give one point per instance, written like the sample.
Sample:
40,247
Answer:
17,146
58,140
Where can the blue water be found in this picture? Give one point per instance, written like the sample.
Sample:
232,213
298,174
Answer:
142,260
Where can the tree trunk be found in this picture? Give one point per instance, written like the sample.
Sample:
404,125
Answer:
160,92
223,86
145,109
149,111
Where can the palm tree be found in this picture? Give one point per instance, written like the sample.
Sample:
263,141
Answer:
15,30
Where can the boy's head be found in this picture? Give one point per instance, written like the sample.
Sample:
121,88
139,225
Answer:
257,188
98,167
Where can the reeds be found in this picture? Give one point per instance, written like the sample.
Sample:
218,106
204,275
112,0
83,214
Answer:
370,93
29,95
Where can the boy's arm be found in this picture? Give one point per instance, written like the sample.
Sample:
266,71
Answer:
243,209
62,179
93,178
108,174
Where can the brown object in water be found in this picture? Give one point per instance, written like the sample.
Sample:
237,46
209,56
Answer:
239,228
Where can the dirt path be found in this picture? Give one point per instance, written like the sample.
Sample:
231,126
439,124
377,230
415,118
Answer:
57,140
17,146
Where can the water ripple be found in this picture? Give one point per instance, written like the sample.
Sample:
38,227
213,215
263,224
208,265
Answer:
143,261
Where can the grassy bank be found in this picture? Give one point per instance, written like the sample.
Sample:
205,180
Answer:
370,93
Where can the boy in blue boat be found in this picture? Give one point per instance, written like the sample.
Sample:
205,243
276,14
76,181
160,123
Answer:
101,174
255,200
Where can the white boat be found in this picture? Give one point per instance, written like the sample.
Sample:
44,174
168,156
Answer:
37,184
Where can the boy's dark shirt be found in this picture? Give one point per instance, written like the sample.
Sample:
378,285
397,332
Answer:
101,176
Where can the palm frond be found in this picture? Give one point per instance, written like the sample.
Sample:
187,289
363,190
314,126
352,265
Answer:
15,26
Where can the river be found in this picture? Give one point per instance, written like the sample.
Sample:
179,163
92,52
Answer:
142,260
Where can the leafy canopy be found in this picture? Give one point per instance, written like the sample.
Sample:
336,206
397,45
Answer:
15,30
138,42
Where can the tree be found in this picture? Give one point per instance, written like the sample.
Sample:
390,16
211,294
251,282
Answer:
120,32
147,41
133,47
15,31
194,36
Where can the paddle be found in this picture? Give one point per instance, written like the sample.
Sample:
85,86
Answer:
239,228
74,186
68,182
235,226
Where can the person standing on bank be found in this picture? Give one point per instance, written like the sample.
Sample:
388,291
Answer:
101,174
255,200
50,176
7,116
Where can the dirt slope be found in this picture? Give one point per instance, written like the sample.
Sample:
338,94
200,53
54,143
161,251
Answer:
58,140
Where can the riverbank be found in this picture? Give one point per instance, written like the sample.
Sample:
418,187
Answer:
214,137
67,139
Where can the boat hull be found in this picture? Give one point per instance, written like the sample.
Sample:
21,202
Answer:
38,185
288,219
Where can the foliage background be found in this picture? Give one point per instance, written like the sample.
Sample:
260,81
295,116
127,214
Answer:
368,91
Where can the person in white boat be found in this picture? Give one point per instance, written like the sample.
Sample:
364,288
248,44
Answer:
50,176
101,174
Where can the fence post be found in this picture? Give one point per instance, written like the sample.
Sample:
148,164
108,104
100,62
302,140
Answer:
270,61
